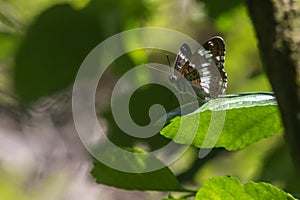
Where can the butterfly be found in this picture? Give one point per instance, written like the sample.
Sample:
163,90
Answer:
204,70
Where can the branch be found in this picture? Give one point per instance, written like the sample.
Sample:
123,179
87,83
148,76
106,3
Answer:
275,22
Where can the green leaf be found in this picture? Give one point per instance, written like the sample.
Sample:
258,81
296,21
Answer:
159,180
266,191
52,51
240,119
230,188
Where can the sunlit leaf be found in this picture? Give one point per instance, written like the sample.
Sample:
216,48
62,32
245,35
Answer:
241,120
231,189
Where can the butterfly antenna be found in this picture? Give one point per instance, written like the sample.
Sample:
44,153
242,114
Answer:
155,68
169,63
168,60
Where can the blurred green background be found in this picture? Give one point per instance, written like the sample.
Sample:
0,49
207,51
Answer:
42,44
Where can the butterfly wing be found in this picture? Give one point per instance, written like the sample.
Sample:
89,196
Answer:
182,60
208,62
216,46
204,69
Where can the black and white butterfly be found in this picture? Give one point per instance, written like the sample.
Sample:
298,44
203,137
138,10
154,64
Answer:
204,70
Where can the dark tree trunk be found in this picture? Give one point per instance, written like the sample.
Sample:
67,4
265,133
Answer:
276,23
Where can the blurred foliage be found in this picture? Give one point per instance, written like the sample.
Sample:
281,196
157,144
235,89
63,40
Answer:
13,186
283,173
56,43
243,63
22,13
10,187
142,100
216,8
43,42
245,164
52,51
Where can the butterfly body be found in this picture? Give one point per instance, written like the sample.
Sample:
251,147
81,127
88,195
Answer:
204,70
